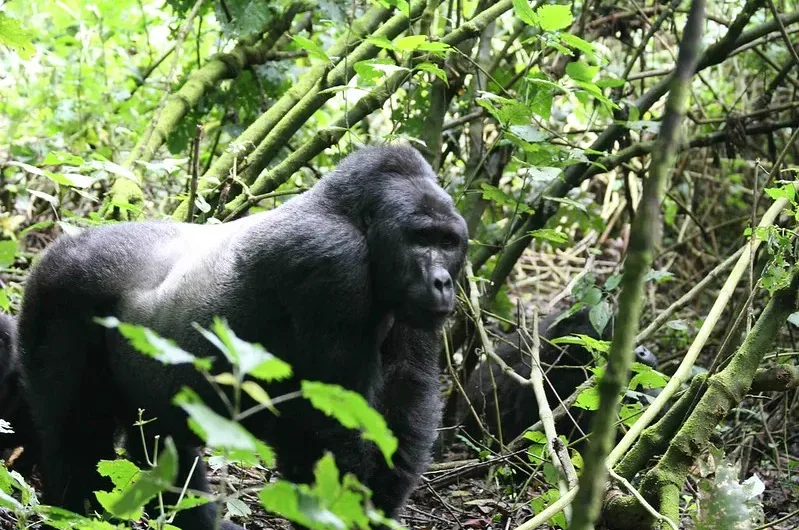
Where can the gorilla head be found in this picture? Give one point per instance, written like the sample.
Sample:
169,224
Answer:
415,236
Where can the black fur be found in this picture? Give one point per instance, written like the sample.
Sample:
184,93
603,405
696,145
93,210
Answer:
13,407
350,283
564,367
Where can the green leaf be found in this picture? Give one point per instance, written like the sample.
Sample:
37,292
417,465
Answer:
217,431
588,399
123,473
547,84
73,180
499,197
372,69
576,42
152,344
353,412
537,437
785,192
594,91
547,175
629,412
610,82
382,42
58,158
595,346
647,377
328,484
612,282
435,70
8,252
552,17
506,111
12,35
410,43
548,497
580,71
66,520
5,303
435,47
529,133
599,315
591,297
550,234
525,12
330,503
251,359
314,50
658,277
134,495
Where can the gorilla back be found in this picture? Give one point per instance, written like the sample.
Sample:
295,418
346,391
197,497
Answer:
350,283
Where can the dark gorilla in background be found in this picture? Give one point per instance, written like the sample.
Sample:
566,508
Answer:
350,283
13,407
564,366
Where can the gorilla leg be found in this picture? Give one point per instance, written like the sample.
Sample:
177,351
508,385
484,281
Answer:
77,429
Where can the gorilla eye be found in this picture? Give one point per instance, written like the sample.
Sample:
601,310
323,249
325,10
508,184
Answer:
449,241
422,238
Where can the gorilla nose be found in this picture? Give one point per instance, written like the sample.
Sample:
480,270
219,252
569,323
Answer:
644,356
442,283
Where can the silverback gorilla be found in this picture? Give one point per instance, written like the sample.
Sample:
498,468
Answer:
565,368
350,283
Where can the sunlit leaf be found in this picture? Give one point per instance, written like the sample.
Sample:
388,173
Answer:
552,17
14,36
314,50
217,431
353,412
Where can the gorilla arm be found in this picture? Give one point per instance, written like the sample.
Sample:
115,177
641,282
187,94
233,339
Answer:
412,409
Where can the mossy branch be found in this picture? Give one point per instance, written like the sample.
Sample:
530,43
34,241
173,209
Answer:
310,83
175,106
726,389
207,78
655,438
270,179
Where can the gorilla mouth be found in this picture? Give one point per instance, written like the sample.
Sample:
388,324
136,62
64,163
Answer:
423,317
433,316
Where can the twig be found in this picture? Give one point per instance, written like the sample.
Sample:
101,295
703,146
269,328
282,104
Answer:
783,32
589,266
664,315
557,451
444,503
474,306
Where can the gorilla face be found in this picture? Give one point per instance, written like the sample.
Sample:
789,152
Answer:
420,252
